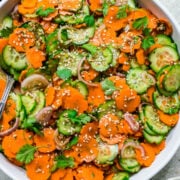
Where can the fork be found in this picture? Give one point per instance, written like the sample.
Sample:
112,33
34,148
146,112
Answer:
10,82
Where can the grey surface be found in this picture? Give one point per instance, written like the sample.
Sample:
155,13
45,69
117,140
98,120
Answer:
173,167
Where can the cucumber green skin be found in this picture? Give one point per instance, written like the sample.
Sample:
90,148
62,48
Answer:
101,60
129,165
171,81
40,99
18,101
163,39
3,64
136,80
153,122
158,62
121,176
29,103
172,106
7,22
158,83
148,130
14,59
157,139
82,88
65,125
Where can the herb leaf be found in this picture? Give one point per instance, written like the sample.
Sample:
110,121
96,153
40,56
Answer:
105,8
108,86
63,162
44,12
147,42
122,12
26,153
64,74
140,23
91,48
73,142
64,35
89,20
146,31
32,125
5,32
84,118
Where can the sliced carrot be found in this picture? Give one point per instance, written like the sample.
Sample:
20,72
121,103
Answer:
119,82
62,174
35,57
46,142
21,39
46,4
89,172
95,5
29,4
140,56
2,87
127,100
3,43
149,155
73,99
150,92
96,96
50,95
123,58
57,100
69,5
40,167
109,177
169,120
48,26
126,67
108,36
89,75
23,10
158,147
12,143
154,46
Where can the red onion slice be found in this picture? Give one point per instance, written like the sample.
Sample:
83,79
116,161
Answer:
12,129
134,145
80,77
131,121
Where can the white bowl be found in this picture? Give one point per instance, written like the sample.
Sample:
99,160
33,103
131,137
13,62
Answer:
173,140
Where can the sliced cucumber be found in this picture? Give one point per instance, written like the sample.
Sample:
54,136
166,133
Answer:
7,23
162,56
171,80
14,59
121,176
139,80
129,164
29,103
148,130
66,126
157,139
169,105
115,53
18,101
40,99
82,88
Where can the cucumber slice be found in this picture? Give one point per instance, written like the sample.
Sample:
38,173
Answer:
157,139
121,176
7,22
18,101
169,105
171,80
29,103
66,126
148,130
115,53
153,122
40,99
163,39
82,88
130,165
14,59
139,80
3,64
162,56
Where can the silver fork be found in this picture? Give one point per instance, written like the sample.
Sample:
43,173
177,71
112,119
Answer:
10,82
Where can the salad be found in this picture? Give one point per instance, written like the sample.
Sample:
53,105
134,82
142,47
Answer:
96,91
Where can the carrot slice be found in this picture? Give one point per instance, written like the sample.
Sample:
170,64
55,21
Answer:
73,99
95,5
22,39
46,142
40,167
50,95
62,174
3,43
108,36
140,56
48,26
96,96
119,82
23,10
2,87
150,92
29,4
89,75
154,46
170,120
89,172
123,58
35,57
70,5
158,147
149,155
12,144
127,100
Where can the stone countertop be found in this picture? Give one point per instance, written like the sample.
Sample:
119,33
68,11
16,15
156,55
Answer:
172,169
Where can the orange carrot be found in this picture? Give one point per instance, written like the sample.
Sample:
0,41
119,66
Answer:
108,36
123,58
140,56
50,95
40,167
119,82
48,26
2,87
89,172
95,5
23,10
158,147
3,43
35,57
69,5
12,143
169,120
46,142
127,100
21,39
154,46
64,174
96,96
89,75
29,4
